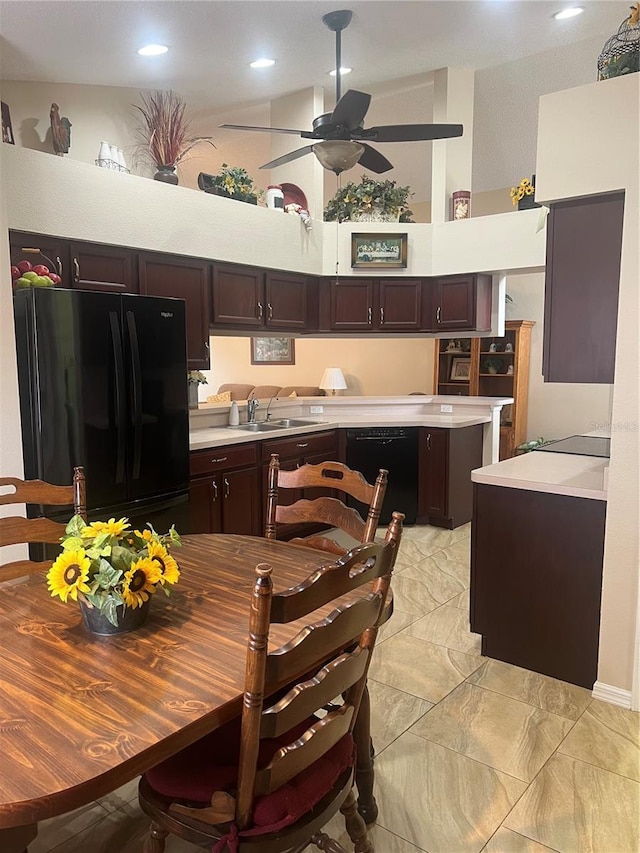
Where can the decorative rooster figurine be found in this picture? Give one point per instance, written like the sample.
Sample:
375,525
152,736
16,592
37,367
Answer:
60,131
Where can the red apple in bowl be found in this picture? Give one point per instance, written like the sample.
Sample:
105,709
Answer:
40,269
24,266
55,278
15,273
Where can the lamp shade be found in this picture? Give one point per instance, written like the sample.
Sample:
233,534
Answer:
338,155
333,380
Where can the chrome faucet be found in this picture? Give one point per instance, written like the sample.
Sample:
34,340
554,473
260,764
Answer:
252,405
268,415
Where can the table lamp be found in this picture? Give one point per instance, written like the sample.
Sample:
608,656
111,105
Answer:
333,380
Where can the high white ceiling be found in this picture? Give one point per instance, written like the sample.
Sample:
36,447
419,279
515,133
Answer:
212,41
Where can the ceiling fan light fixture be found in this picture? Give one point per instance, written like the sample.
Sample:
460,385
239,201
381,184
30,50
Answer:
343,70
338,155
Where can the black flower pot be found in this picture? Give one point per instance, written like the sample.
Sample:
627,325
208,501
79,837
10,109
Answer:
527,202
128,619
166,174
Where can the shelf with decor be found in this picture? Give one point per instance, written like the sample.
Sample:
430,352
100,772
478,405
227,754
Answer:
490,367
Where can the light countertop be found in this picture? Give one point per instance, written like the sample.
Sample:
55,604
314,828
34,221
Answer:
555,473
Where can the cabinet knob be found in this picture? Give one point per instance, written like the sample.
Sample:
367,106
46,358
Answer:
270,310
428,441
214,486
260,311
303,444
438,310
381,316
369,316
59,265
76,270
227,487
219,459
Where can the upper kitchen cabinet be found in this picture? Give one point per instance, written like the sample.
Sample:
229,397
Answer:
50,251
459,303
107,268
249,297
386,304
584,244
188,279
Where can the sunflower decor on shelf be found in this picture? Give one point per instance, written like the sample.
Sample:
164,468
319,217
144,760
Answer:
523,194
113,571
369,201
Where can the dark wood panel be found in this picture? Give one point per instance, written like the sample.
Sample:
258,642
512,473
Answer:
536,578
188,279
286,301
400,304
584,244
237,296
205,506
299,446
107,268
352,304
216,459
240,502
433,477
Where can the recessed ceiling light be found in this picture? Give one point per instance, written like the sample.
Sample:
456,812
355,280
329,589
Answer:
343,71
262,63
153,50
568,13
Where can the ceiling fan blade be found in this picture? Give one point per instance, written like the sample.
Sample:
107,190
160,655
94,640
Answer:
266,129
409,132
287,158
373,160
351,109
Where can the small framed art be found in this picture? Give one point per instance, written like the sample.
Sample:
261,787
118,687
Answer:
378,250
460,369
272,351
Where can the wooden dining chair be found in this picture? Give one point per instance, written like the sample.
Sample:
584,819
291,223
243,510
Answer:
329,511
17,530
333,512
270,781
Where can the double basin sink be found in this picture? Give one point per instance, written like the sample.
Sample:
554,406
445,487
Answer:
270,426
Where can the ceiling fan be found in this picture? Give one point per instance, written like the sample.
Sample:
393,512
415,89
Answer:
342,140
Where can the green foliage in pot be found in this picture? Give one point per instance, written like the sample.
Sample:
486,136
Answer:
236,182
367,196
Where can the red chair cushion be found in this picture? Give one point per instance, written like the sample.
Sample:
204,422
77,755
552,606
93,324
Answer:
211,764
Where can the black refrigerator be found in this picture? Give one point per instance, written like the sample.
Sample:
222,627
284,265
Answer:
103,384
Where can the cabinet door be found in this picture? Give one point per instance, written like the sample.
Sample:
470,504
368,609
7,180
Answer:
107,268
584,244
352,305
286,301
205,504
433,461
238,296
461,302
240,508
400,304
50,251
187,279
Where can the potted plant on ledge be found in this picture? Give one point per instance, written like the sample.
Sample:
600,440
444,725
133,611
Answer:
232,182
369,201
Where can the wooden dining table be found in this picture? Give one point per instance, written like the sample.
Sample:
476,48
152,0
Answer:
82,714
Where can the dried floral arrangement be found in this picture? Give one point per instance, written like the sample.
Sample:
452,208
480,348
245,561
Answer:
165,134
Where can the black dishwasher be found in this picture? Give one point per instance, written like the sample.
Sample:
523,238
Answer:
393,448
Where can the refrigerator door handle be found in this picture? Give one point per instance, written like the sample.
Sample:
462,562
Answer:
136,394
116,342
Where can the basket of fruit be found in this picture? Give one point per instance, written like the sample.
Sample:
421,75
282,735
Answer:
26,274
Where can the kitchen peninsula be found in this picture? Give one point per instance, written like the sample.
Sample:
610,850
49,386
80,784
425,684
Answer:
537,545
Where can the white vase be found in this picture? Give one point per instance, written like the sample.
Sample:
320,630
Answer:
104,155
114,158
121,161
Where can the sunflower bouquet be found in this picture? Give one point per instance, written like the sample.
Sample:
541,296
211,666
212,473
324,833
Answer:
108,565
525,187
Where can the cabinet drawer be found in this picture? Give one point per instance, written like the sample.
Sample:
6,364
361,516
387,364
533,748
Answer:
221,459
301,445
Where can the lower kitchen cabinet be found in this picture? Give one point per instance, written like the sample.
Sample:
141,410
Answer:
536,580
188,279
224,491
446,458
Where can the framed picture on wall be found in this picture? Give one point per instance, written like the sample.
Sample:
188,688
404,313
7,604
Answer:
460,369
272,351
7,130
378,250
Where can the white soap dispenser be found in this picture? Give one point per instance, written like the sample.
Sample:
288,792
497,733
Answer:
234,415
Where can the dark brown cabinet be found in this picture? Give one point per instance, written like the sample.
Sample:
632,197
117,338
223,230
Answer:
249,297
536,580
584,245
446,458
358,304
458,303
224,491
106,268
188,279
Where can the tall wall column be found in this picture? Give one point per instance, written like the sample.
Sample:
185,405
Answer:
452,158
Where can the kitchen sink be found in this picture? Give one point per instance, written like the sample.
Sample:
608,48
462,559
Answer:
259,427
293,422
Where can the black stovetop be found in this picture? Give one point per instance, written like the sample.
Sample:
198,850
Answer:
581,445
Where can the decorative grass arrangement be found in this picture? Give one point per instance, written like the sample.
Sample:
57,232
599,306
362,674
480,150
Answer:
165,135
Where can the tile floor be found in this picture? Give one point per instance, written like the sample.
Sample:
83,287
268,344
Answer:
472,754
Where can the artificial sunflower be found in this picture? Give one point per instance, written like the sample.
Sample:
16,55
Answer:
169,571
111,527
69,575
139,582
